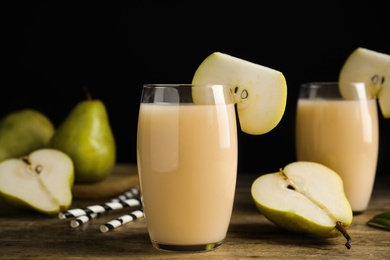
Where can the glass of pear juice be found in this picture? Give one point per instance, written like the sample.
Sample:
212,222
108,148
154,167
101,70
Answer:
341,134
187,164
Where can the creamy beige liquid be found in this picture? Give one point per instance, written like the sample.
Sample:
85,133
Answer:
187,159
342,135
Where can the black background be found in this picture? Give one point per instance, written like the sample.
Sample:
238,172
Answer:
54,48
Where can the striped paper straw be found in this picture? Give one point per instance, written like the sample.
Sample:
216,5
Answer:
94,209
83,219
121,220
132,193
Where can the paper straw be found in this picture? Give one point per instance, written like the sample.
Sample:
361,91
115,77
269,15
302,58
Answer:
83,219
132,193
108,206
121,220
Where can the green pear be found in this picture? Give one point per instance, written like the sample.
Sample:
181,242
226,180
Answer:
305,197
86,136
41,181
24,131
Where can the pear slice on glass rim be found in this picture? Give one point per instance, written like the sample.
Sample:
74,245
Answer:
260,92
371,68
304,197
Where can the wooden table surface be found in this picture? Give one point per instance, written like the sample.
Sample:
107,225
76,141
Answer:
34,235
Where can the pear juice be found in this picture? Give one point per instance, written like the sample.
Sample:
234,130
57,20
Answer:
187,161
343,135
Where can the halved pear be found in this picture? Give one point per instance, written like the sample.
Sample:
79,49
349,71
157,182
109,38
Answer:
304,197
371,68
260,92
41,181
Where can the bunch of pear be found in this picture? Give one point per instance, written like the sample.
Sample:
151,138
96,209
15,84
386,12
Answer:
85,135
39,163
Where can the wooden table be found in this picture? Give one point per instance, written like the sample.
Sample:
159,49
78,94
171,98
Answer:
33,235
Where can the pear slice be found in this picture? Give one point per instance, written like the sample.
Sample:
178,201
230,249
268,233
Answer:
41,181
304,197
373,69
260,92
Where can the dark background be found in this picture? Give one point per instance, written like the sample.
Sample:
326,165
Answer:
53,48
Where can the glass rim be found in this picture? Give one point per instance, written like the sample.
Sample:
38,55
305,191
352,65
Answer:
324,83
211,94
177,85
328,83
330,90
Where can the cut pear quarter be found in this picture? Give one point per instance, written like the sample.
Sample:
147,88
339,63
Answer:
260,92
371,68
304,197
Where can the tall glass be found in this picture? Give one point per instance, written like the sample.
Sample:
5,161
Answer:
187,164
341,134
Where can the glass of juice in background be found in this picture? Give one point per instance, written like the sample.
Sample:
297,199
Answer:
187,164
341,134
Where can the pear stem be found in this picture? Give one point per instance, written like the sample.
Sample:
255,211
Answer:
343,231
339,225
87,93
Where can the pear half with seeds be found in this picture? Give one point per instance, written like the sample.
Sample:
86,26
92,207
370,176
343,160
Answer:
41,181
304,197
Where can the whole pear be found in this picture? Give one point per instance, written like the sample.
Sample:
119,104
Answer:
86,136
24,131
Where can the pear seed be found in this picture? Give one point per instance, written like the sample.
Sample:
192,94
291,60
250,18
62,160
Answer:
377,79
244,94
38,169
290,187
25,160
